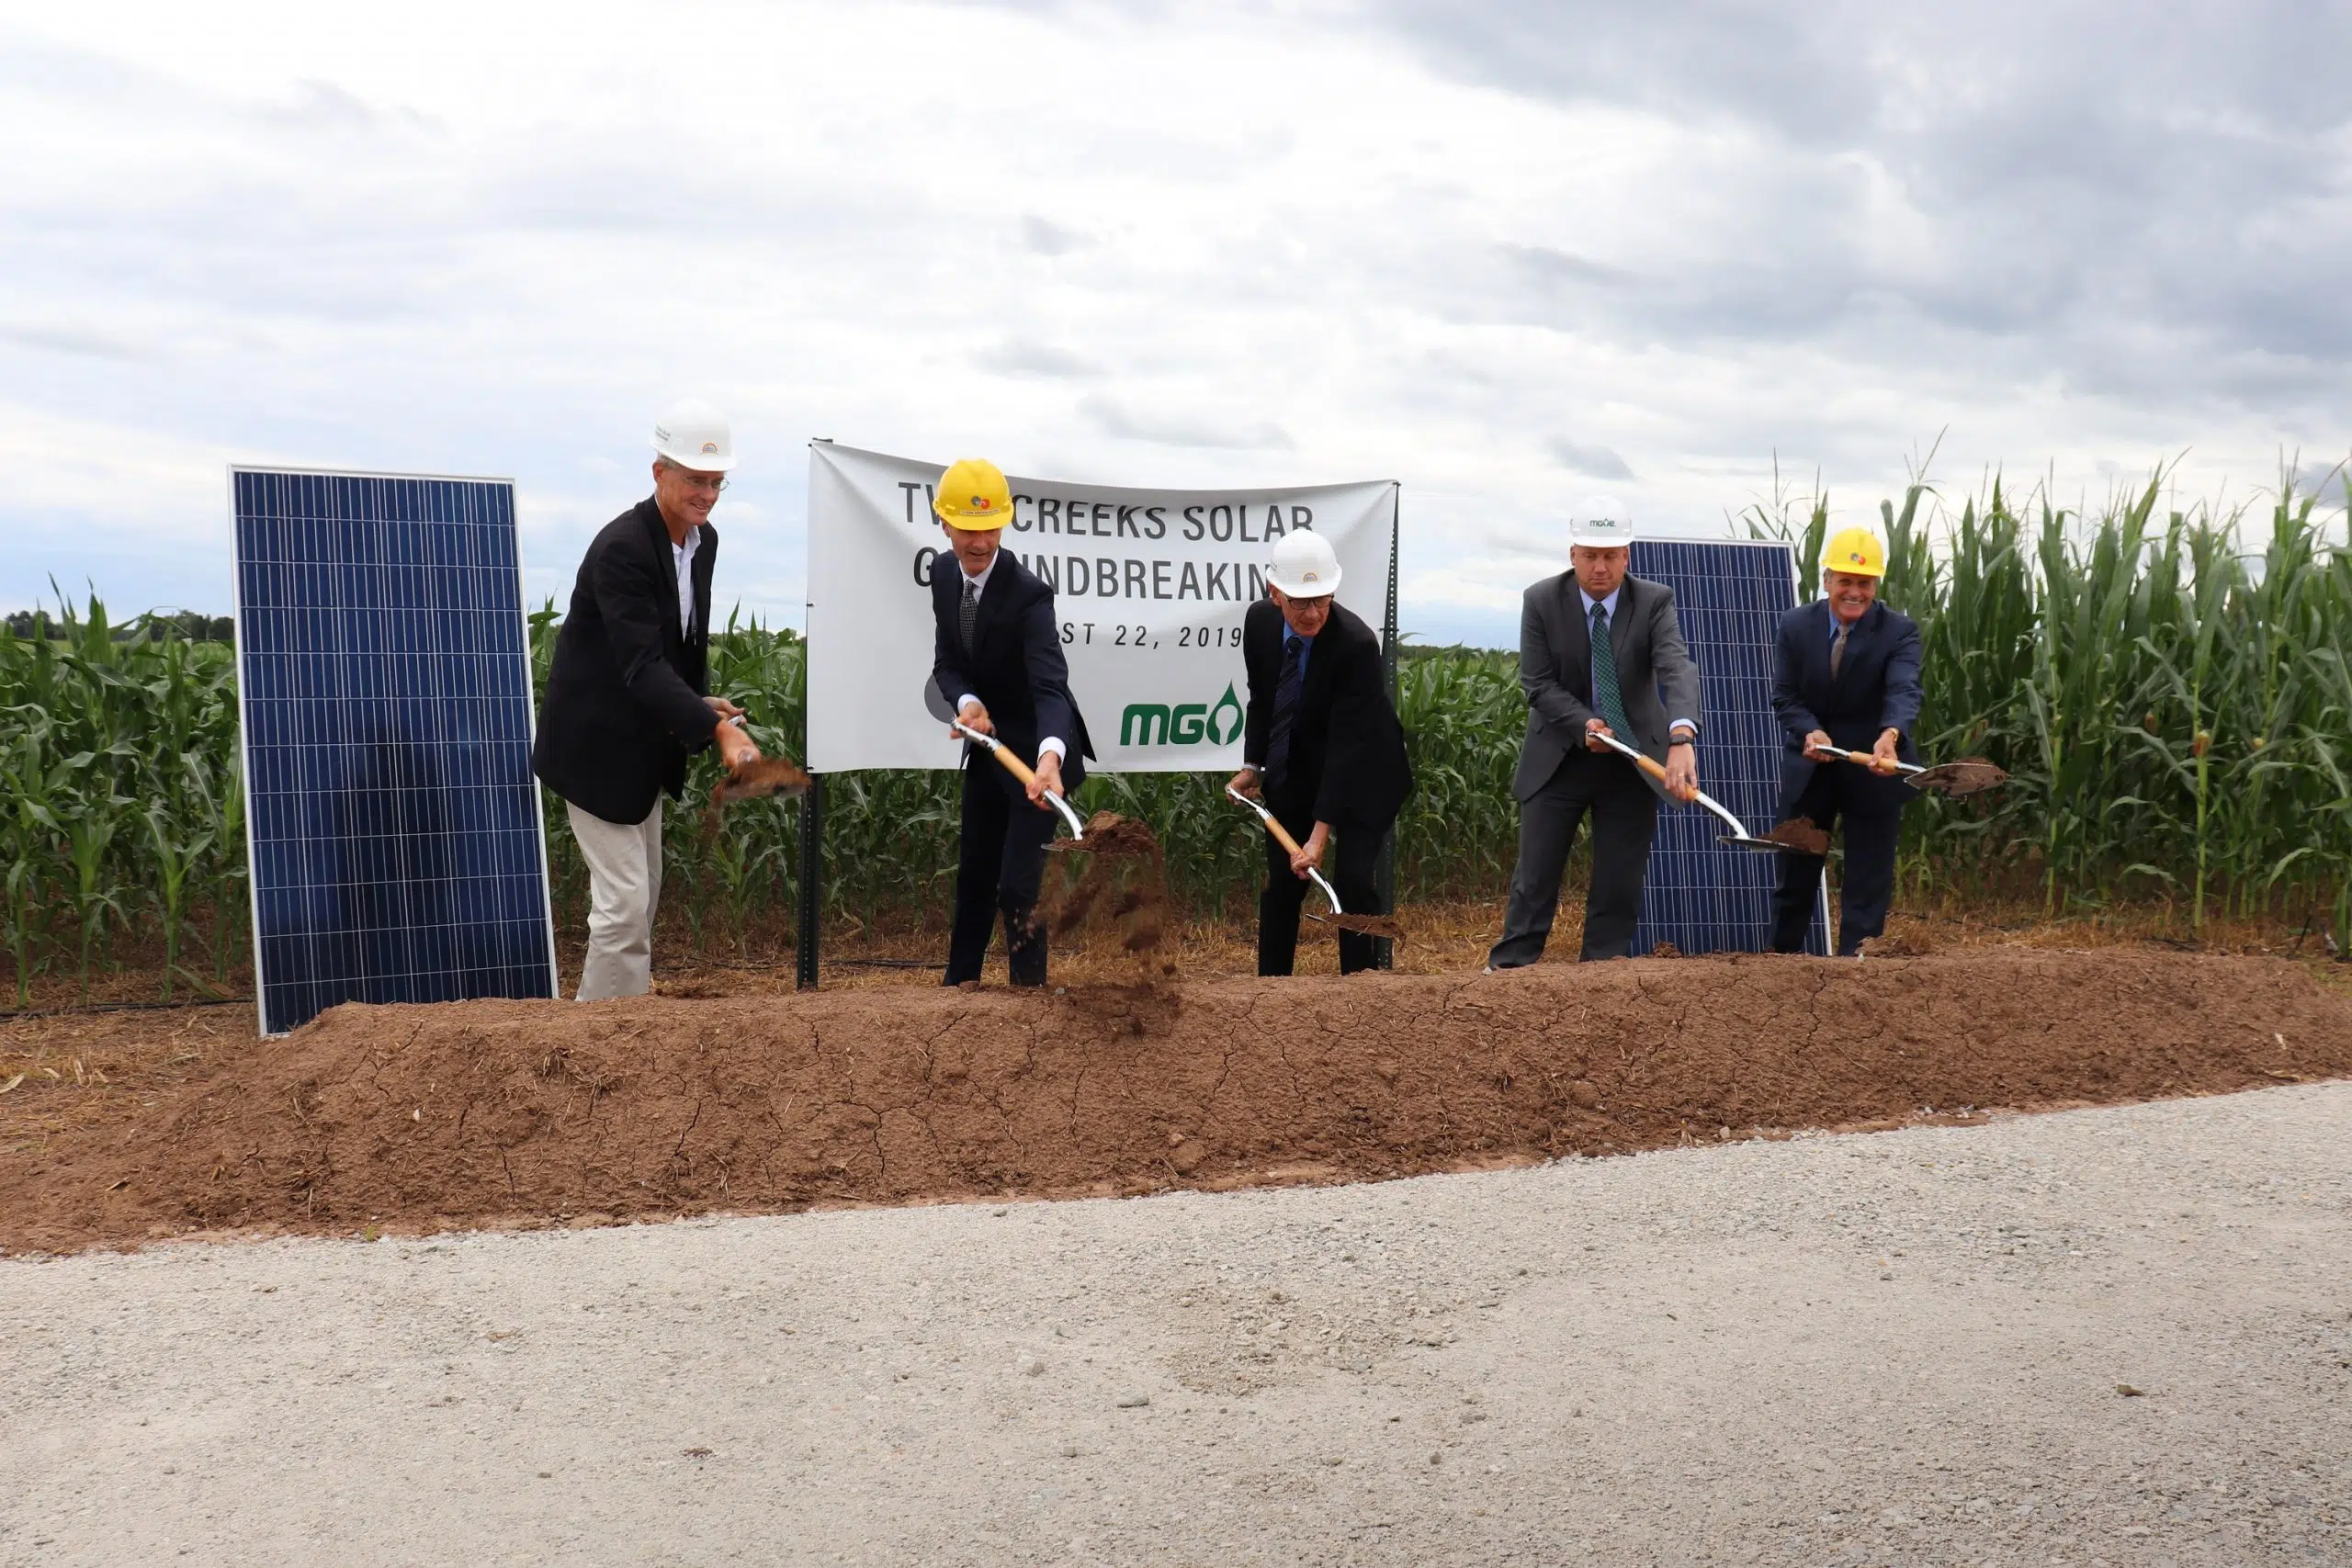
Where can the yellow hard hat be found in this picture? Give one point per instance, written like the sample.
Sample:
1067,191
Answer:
1855,550
973,496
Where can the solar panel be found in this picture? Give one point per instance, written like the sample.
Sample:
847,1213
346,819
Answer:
1703,896
396,845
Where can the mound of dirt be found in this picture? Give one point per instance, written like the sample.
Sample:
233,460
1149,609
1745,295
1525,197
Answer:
512,1113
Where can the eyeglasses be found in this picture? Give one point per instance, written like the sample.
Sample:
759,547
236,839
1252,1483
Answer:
694,479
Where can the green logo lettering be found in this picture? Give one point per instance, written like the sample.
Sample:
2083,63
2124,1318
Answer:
1140,715
1187,723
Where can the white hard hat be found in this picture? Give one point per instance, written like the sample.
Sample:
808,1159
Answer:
1305,567
694,435
1601,523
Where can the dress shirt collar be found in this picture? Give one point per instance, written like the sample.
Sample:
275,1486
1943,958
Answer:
1609,604
979,585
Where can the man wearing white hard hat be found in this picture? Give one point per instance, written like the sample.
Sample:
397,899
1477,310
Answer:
1323,745
626,699
1599,653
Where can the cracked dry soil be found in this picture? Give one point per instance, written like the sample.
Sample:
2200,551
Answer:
513,1114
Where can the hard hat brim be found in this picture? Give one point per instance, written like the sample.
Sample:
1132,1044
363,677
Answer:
1600,541
987,525
700,462
1307,589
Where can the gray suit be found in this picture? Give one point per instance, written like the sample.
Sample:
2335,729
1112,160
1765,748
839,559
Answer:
1559,778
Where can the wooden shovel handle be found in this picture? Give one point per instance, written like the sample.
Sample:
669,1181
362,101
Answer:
1281,834
1015,765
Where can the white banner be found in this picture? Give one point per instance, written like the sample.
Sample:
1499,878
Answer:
1150,588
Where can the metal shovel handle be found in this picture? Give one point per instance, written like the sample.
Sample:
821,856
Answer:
1282,837
1020,770
1658,773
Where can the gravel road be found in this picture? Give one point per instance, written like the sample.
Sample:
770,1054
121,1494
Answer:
1908,1347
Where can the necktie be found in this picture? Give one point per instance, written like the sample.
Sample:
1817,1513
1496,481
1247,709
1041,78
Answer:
967,615
1285,708
1837,649
1607,700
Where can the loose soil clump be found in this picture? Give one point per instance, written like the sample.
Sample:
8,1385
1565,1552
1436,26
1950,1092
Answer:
1123,881
1799,834
522,1113
1386,926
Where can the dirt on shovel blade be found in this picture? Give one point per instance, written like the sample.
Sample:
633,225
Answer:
769,776
1969,775
1386,926
1800,834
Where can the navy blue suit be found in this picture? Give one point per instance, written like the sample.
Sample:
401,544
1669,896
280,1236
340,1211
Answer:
1876,689
1016,668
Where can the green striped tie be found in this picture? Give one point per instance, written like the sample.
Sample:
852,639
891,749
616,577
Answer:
1607,701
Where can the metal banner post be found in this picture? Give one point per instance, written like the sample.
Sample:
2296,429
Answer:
1385,876
812,871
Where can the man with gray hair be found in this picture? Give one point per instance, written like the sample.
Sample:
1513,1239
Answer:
627,701
1600,654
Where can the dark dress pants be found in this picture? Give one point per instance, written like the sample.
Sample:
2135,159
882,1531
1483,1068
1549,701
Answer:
1003,860
1352,863
1840,792
1625,816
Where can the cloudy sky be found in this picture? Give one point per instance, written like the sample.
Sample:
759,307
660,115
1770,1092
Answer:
1508,252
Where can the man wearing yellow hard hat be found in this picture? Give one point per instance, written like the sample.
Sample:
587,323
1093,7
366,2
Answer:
997,654
1847,677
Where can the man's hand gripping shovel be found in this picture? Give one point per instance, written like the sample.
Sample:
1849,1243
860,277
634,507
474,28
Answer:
1282,837
936,702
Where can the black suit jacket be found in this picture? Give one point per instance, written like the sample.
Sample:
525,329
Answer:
623,703
1015,665
1656,677
1876,688
1347,750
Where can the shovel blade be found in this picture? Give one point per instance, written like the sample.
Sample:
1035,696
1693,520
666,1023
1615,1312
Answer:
1957,781
1762,845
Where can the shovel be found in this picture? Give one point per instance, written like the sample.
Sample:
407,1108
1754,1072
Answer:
1282,837
936,702
1382,926
1955,781
1801,837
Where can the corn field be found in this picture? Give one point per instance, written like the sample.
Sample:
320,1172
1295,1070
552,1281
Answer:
2169,691
125,821
2175,707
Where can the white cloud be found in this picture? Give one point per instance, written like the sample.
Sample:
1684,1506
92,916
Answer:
1499,252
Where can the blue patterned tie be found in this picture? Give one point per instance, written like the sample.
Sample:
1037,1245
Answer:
1285,708
1607,700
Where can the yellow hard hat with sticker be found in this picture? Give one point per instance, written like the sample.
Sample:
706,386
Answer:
1855,550
973,495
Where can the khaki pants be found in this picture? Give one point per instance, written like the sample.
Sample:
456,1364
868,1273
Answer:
624,889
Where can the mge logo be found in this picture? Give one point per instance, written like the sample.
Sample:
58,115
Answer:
1187,723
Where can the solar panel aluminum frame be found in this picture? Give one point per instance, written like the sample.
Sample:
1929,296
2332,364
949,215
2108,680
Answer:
244,714
1820,934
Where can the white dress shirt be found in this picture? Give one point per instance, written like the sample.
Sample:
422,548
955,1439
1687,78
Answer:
685,555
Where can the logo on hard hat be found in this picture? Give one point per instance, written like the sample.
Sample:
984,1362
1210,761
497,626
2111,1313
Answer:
980,504
1855,556
709,446
1310,576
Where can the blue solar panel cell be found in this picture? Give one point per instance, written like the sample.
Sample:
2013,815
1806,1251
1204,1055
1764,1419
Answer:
1703,897
397,849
